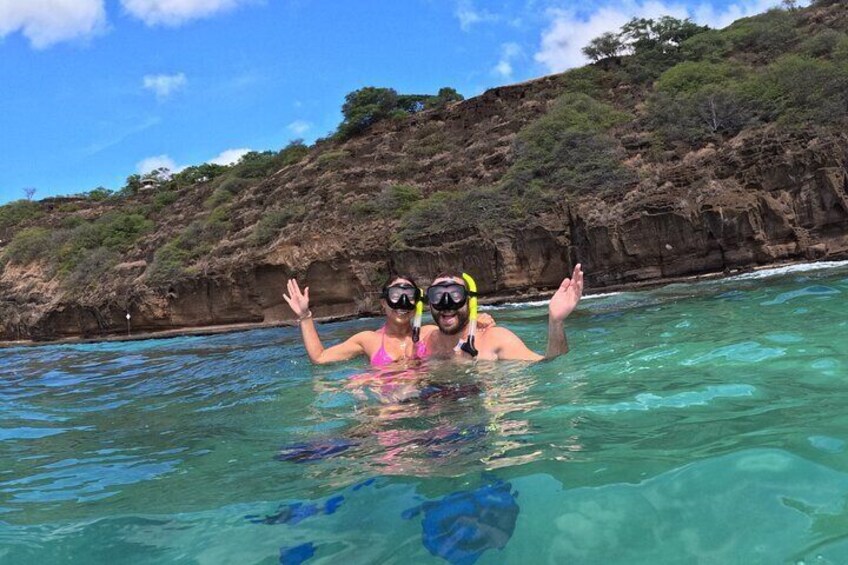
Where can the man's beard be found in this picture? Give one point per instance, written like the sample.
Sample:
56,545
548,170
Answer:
461,321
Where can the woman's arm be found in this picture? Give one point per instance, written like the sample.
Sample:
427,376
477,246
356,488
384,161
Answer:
299,303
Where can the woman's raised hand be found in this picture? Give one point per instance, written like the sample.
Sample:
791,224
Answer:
298,301
485,321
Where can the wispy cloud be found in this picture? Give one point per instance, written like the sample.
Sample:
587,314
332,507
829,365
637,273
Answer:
97,147
177,12
569,30
468,15
164,85
230,156
509,53
47,22
299,127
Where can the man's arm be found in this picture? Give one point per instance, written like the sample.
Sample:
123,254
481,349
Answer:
563,303
509,346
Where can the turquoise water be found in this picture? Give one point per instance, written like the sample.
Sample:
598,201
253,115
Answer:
697,423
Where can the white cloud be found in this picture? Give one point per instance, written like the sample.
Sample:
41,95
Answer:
468,15
569,32
157,162
46,22
164,85
299,127
177,12
509,52
229,156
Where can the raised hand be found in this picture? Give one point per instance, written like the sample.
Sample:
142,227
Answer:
298,301
567,296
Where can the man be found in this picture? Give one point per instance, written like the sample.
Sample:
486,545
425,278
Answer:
449,297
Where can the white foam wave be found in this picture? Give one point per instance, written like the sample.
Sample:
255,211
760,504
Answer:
534,303
799,268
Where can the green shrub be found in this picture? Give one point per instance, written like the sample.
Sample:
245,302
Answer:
217,224
115,231
693,117
824,44
199,237
269,226
120,231
765,36
804,90
390,202
487,210
568,150
163,199
98,194
710,45
29,245
690,76
195,174
588,80
90,270
329,158
17,212
254,165
219,197
169,263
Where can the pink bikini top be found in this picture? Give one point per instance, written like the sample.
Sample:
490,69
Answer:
382,357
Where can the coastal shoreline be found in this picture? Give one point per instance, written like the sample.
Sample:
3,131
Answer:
494,300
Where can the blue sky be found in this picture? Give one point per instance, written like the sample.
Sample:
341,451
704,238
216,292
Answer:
92,91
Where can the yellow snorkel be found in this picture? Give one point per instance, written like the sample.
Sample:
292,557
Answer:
468,346
416,321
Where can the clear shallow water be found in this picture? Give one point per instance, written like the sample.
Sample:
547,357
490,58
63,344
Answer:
702,423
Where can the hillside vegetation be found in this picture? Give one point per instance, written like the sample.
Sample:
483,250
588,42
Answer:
409,172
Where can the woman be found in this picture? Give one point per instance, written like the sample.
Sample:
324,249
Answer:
391,343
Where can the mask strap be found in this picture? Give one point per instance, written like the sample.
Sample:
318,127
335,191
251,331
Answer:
468,346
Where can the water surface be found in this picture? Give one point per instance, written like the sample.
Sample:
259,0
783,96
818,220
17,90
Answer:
696,423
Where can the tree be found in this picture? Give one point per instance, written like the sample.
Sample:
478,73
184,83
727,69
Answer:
605,46
30,192
665,34
132,185
364,107
445,96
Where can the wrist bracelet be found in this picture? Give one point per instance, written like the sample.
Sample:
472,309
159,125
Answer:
306,317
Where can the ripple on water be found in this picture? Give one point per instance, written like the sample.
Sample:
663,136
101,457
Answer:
650,401
86,478
783,338
809,291
744,352
827,443
29,433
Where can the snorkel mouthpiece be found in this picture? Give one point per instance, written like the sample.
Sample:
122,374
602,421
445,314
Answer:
416,321
468,346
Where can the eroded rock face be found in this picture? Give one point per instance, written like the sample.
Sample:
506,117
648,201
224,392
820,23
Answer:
761,198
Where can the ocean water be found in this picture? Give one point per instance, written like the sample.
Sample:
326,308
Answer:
695,423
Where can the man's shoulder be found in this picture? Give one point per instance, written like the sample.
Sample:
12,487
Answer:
498,334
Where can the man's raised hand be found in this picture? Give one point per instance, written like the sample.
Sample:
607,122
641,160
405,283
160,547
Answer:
565,299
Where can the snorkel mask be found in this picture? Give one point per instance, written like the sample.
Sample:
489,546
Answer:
401,296
453,296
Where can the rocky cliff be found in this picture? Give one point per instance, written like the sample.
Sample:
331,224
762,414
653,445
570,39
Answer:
763,194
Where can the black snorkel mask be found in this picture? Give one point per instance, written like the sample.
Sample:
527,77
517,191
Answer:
453,296
401,296
448,296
